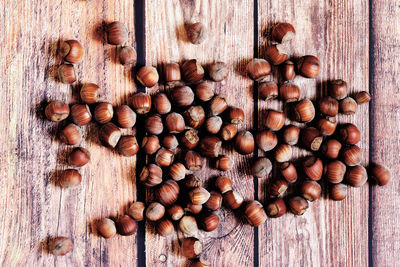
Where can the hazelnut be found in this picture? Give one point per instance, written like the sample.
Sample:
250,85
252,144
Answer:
69,178
172,73
174,123
175,212
151,175
232,200
150,144
304,111
210,146
310,138
116,33
338,191
297,205
164,227
80,114
351,155
268,90
106,228
266,140
161,103
153,124
287,71
258,69
128,146
136,211
79,157
235,115
208,221
196,32
278,187
191,247
348,106
90,93
192,208
218,71
182,96
177,171
194,116
331,148
66,73
291,135
204,90
349,134
289,92
337,89
155,211
310,190
327,126
244,142
217,105
362,97
214,202
228,132
164,157
328,106
125,116
60,246
223,184
288,171
213,124
147,76
283,32
276,208
189,139
103,112
71,51
127,55
168,192
313,168
334,171
109,134
276,54
170,141
356,176
193,161
308,66
71,134
283,153
125,225
57,111
192,71
254,213
261,168
380,174
188,225
224,163
141,102
199,196
274,120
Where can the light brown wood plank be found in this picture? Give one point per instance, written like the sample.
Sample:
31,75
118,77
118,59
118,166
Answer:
32,207
330,233
385,110
230,40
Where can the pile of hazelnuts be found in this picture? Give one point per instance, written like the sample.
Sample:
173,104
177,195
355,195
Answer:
189,122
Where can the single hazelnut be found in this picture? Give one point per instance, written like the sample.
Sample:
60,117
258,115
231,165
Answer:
90,93
204,90
351,155
151,175
79,157
297,205
228,132
268,90
362,97
71,51
164,227
287,71
175,212
254,213
174,123
172,73
57,111
210,146
141,102
380,174
213,124
150,144
278,187
223,184
218,71
258,69
164,157
103,112
161,103
334,171
349,134
109,134
276,54
192,208
217,105
69,178
177,171
191,247
192,71
199,196
193,161
188,225
194,116
169,141
125,225
182,96
310,138
196,32
261,168
128,146
167,193
214,202
304,111
125,116
313,168
189,139
127,55
153,124
283,32
208,221
337,89
244,142
266,140
288,171
283,153
289,92
106,228
235,115
328,106
276,208
66,73
310,190
356,176
224,163
232,200
308,66
274,120
80,114
348,106
291,135
136,211
338,191
155,211
147,76
327,126
116,33
331,148
71,134
60,246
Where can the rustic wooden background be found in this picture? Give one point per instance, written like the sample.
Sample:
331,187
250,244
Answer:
356,40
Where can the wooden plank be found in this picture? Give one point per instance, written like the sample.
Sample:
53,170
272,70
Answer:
330,233
385,145
32,207
230,39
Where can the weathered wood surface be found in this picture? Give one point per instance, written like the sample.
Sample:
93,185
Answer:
354,41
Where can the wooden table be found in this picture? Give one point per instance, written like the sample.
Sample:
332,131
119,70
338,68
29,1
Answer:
356,40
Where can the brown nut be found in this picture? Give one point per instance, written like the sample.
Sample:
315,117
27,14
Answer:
337,89
276,54
327,126
192,71
304,111
362,97
57,111
141,102
177,171
334,171
310,138
328,106
224,163
106,228
103,112
172,73
283,153
254,213
348,106
232,200
80,114
192,208
244,142
199,196
151,175
155,211
213,124
356,176
125,225
147,76
228,132
66,73
136,211
189,139
125,116
116,33
193,161
196,32
164,227
153,124
313,168
150,144
261,168
191,247
71,134
174,123
182,96
266,140
218,71
288,171
310,190
71,51
351,155
283,32
278,187
289,92
90,93
170,141
204,90
380,174
60,246
331,148
175,212
276,208
338,191
274,120
128,146
223,184
161,103
258,69
268,90
349,134
208,221
308,66
291,135
109,134
79,157
69,178
164,157
287,71
297,205
127,55
214,202
188,225
210,146
194,116
167,193
235,115
217,105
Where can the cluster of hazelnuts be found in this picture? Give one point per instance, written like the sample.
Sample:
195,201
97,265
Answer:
336,156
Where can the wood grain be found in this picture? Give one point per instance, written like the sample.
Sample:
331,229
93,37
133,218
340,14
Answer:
33,208
230,39
330,233
385,142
